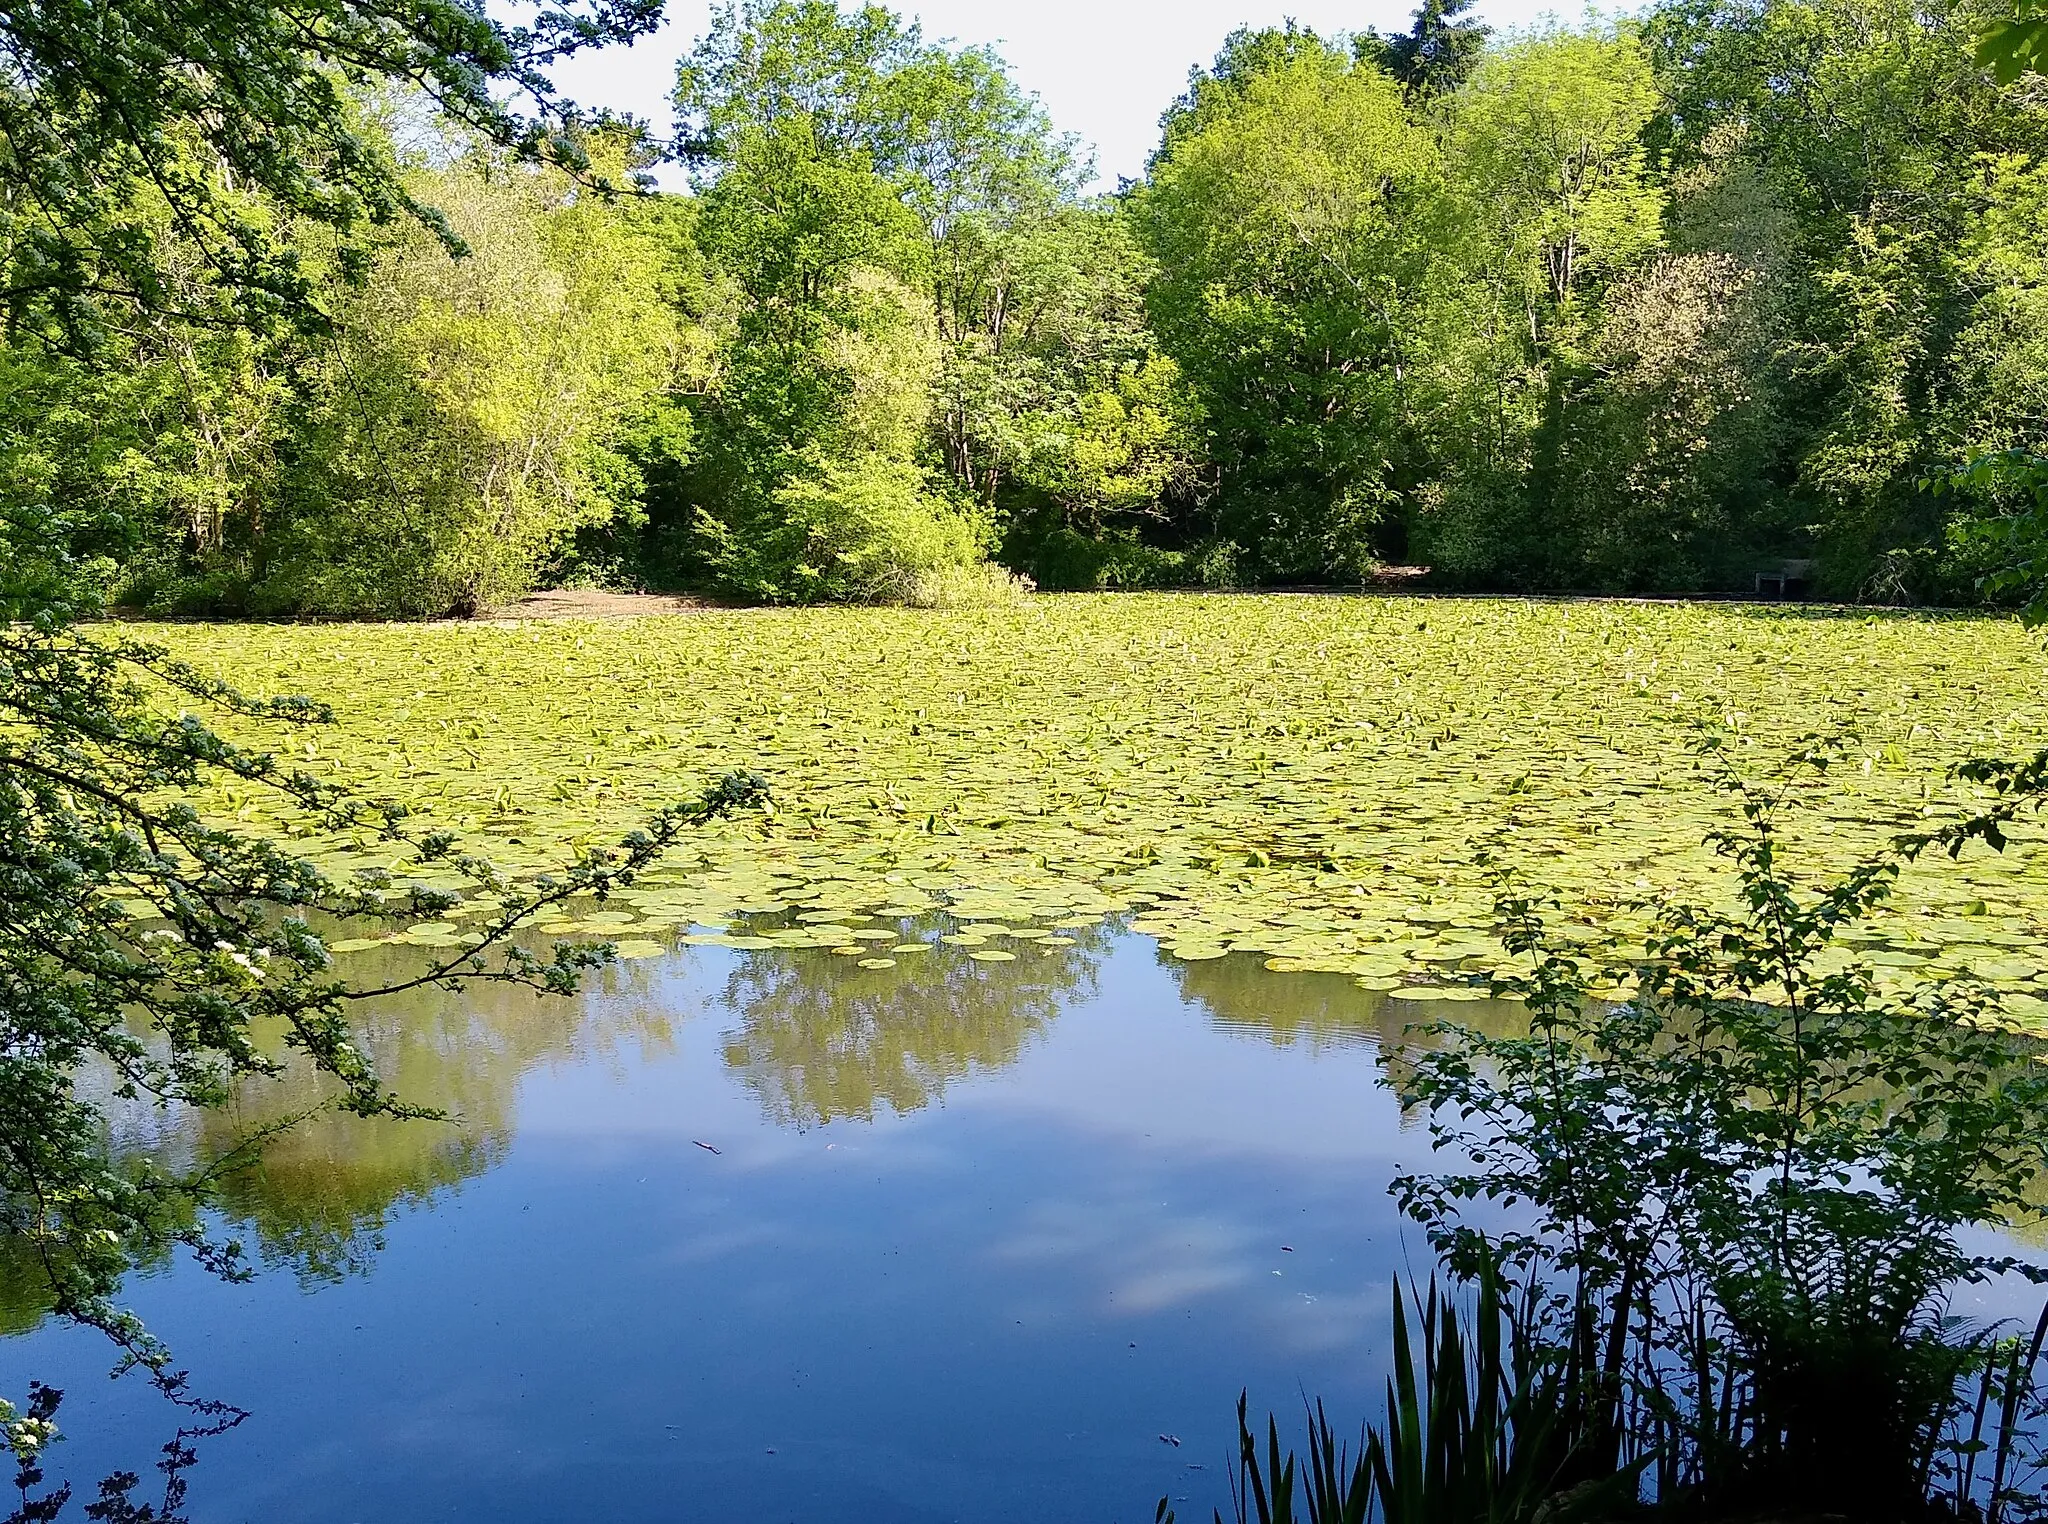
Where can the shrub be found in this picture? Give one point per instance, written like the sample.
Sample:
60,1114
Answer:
862,530
959,587
1062,559
1742,1194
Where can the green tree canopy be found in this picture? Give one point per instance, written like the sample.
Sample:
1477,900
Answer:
1297,214
228,126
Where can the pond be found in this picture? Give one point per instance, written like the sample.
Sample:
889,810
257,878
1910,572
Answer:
768,1235
1013,1100
1306,778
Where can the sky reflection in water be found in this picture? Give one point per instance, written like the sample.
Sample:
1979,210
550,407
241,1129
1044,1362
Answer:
975,1237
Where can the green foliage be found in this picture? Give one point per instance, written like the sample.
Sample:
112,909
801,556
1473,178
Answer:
2015,543
186,195
1438,52
1747,1188
1900,174
219,131
1553,366
1061,559
2017,44
1642,307
1296,213
158,458
902,224
1679,319
1488,1431
867,530
1478,1430
460,431
460,420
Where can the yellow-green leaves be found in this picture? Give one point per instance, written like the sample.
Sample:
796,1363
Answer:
1304,779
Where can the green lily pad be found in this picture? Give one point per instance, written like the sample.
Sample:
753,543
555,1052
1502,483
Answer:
1322,816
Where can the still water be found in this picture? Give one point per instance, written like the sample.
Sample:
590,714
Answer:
768,1236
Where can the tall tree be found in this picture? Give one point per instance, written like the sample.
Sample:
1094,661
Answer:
846,162
475,402
1296,213
1549,162
1440,50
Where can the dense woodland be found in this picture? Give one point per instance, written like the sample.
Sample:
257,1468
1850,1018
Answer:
1632,306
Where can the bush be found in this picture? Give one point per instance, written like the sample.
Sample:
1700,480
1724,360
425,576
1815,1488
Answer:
863,530
1743,1195
960,587
1061,559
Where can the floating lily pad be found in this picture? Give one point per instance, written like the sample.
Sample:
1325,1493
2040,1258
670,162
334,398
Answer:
1304,782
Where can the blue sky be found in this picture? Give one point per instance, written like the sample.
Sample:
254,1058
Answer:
1104,68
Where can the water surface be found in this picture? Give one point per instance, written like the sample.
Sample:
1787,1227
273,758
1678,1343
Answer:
770,1236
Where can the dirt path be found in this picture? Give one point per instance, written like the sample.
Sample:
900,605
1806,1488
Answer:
588,603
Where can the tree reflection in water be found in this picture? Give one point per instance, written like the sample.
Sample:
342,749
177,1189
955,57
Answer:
815,1039
318,1195
810,1035
821,1039
315,1196
1319,1011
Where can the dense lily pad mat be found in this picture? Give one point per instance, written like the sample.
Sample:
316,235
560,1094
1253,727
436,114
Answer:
1303,777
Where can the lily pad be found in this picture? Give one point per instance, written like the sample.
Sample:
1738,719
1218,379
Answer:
1322,812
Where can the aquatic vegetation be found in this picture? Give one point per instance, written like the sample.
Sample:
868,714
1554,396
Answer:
1478,1425
1302,777
1745,1204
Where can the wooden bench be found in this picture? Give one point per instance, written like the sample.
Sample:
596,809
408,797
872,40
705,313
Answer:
1784,579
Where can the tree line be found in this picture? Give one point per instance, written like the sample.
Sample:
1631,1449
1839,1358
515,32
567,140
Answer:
1630,306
